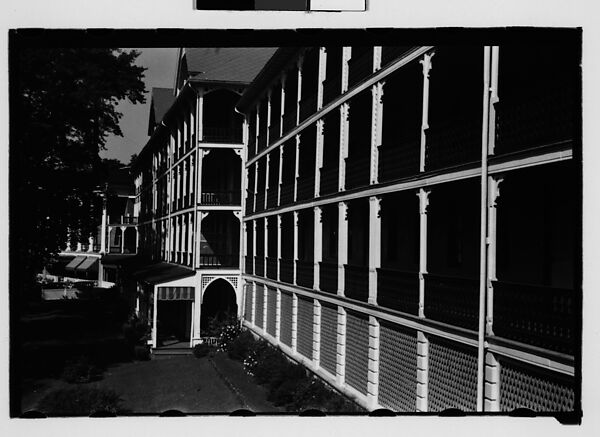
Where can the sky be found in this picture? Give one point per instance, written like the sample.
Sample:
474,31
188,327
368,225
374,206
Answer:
161,65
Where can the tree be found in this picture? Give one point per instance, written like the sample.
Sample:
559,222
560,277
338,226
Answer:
65,107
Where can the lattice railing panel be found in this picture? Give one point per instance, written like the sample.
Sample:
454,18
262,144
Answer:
522,386
287,303
271,310
259,306
357,351
328,353
397,368
305,327
248,303
452,376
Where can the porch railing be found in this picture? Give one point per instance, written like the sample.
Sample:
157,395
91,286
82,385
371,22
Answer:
308,106
306,187
399,160
356,282
357,171
259,265
289,120
271,267
398,290
215,134
391,53
329,180
332,88
287,193
286,270
453,142
328,277
452,300
360,68
536,315
219,260
221,198
249,264
305,273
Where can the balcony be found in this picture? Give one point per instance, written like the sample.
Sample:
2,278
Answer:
221,198
391,53
452,300
122,220
262,141
212,134
360,68
259,265
308,106
399,161
306,188
289,120
287,194
332,88
250,203
398,290
219,261
305,273
357,172
453,142
286,270
356,282
328,277
539,316
525,121
329,180
249,264
272,267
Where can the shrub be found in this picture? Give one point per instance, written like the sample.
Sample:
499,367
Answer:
80,401
240,347
201,350
80,370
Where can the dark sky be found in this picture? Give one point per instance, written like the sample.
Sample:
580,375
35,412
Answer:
160,64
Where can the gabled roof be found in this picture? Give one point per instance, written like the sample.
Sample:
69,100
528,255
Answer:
161,101
226,64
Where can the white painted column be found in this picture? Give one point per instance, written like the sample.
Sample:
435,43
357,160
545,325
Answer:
297,168
316,332
278,245
155,317
283,79
90,244
244,245
253,248
317,246
322,76
319,157
422,372
280,177
340,365
376,130
294,323
266,240
267,169
344,136
427,64
255,169
346,55
423,204
342,245
374,246
295,245
278,317
197,310
373,366
493,99
123,228
493,194
201,155
492,383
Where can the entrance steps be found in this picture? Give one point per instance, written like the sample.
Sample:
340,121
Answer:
166,352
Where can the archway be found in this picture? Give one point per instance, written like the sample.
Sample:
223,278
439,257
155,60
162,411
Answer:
218,303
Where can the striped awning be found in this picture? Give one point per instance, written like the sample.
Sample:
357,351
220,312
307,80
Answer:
86,264
75,262
175,293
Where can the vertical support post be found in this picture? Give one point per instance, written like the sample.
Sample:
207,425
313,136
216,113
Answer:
254,303
294,322
373,372
319,157
492,383
422,372
283,97
317,245
493,99
423,205
374,246
322,75
244,247
342,245
104,225
494,192
266,251
296,218
267,170
344,131
154,316
278,317
197,309
297,168
254,247
255,169
123,228
280,177
340,367
346,55
427,64
376,130
316,332
278,246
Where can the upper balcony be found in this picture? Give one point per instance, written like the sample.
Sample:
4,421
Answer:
221,135
122,220
220,122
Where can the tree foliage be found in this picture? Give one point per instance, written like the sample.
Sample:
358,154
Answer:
65,109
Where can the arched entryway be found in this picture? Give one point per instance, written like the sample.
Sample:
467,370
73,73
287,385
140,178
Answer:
218,302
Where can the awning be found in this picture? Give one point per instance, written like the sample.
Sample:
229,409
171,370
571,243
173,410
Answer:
88,263
175,293
162,272
75,262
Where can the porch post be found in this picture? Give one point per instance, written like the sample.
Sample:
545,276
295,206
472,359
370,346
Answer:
278,245
426,63
374,246
123,239
342,245
154,317
423,204
295,246
317,246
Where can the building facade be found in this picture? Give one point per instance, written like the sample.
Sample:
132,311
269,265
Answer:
410,222
188,181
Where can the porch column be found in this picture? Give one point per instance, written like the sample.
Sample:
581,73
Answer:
267,169
280,178
282,110
322,76
103,228
254,247
423,204
316,352
493,195
123,228
319,157
297,169
426,63
266,251
197,306
340,365
422,372
255,170
342,245
295,245
317,245
137,239
90,244
373,365
344,131
244,251
201,155
376,130
201,216
374,246
154,317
